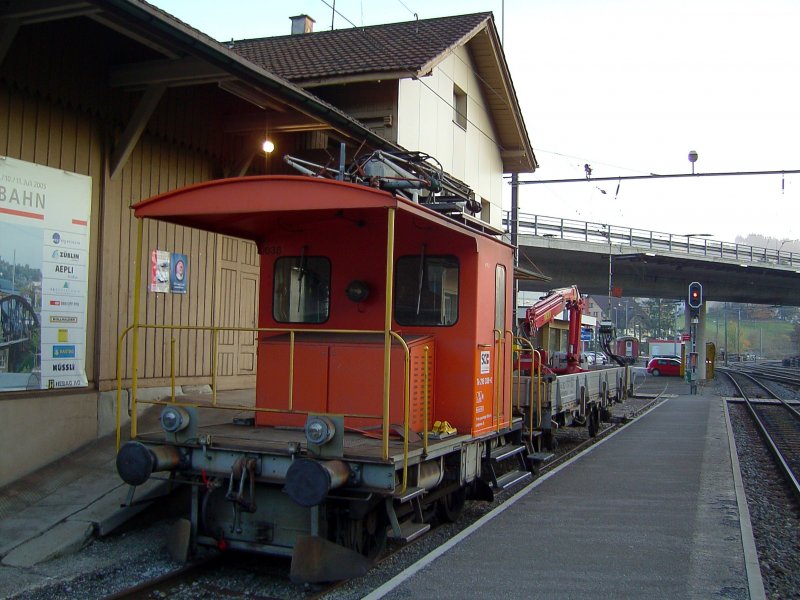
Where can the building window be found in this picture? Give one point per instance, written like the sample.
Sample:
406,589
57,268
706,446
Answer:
459,107
426,290
301,289
486,210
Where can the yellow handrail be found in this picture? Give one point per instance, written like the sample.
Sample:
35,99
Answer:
520,341
136,303
387,328
509,380
539,384
406,409
498,346
119,382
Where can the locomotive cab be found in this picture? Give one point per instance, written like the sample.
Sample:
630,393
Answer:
326,279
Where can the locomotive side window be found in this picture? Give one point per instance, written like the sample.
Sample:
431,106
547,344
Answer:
500,299
426,290
301,289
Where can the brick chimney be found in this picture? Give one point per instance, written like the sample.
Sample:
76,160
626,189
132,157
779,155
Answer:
302,24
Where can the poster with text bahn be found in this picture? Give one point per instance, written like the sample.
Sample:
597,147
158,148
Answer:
44,269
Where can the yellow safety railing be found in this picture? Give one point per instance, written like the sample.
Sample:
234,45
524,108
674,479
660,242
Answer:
535,389
388,334
134,401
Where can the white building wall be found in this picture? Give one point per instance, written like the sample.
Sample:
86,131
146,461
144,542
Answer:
425,123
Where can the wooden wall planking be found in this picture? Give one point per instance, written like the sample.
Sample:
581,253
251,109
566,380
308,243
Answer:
158,169
40,129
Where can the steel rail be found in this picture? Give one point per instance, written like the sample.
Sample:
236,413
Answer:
189,571
765,435
755,373
779,374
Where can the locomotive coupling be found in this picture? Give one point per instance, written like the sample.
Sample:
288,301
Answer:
309,481
136,462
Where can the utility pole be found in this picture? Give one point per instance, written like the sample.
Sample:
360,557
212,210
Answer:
739,336
659,333
626,317
515,241
726,334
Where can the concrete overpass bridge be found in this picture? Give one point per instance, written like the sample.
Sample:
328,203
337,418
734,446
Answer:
599,257
653,264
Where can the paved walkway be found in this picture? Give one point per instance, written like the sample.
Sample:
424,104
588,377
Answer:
651,513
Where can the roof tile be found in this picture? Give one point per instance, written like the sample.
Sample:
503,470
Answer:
407,46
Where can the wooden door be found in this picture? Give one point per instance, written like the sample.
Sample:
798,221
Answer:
236,305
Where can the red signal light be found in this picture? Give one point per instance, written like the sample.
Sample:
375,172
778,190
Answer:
695,295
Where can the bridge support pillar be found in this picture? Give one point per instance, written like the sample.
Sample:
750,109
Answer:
700,340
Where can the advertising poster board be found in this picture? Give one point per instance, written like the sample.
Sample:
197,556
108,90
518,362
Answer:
44,269
169,272
179,273
159,271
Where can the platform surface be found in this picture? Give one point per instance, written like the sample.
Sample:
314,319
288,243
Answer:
651,512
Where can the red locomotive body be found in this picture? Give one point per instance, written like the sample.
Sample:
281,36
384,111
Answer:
384,386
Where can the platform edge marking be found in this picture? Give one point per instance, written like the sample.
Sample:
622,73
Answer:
752,567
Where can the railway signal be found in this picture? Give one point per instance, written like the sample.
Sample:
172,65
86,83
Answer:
695,301
695,295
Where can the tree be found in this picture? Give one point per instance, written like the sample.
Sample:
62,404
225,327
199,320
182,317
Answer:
658,317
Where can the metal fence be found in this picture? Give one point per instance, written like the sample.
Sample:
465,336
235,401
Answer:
613,235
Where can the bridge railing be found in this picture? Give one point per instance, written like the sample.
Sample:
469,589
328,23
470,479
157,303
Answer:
613,235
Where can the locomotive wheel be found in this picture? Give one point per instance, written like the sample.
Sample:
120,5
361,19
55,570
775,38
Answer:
367,536
449,507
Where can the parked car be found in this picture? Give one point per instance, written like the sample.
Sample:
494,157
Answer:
596,358
675,356
664,366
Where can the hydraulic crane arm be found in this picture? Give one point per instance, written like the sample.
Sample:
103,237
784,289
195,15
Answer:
552,305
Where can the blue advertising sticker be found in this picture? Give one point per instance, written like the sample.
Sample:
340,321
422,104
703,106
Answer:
178,273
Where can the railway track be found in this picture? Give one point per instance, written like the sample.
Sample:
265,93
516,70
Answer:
777,421
771,371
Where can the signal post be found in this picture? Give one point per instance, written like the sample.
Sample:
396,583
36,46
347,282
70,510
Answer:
695,367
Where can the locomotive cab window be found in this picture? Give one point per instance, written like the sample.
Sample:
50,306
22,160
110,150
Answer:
426,290
301,289
500,299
